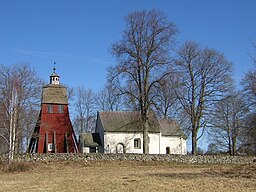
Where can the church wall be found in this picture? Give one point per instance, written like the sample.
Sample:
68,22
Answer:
177,145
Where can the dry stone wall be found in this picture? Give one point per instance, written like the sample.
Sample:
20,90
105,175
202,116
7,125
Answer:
183,159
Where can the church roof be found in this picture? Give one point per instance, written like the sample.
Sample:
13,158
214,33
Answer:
126,121
90,139
170,128
129,121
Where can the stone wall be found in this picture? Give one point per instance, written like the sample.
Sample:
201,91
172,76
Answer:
184,159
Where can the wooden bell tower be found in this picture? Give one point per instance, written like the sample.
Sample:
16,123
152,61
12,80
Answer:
53,132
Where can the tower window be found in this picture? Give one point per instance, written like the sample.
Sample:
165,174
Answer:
50,147
50,109
61,108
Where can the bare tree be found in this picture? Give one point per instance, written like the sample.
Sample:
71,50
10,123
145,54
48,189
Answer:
204,75
28,121
228,123
85,110
143,58
109,99
249,90
20,90
249,87
165,103
212,149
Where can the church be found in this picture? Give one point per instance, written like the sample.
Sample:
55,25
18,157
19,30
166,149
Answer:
121,132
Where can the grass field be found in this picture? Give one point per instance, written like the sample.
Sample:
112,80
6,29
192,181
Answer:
127,176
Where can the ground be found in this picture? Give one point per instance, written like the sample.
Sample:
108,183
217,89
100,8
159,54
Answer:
128,176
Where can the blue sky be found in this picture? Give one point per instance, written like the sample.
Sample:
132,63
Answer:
77,34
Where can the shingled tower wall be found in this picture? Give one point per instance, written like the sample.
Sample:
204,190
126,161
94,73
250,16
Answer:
53,132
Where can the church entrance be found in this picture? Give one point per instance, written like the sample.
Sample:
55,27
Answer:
120,148
168,150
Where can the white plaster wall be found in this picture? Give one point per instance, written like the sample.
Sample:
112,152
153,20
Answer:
111,140
157,144
177,145
184,147
86,150
154,143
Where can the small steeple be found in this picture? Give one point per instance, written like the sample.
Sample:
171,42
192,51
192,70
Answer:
54,78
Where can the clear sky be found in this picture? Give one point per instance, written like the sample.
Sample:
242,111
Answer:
77,34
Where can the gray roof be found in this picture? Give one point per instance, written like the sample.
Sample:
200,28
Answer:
126,121
54,75
90,139
170,128
56,94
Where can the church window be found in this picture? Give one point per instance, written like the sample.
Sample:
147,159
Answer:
137,143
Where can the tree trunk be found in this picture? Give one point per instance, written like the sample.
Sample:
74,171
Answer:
12,126
14,131
234,146
229,143
194,143
10,154
145,136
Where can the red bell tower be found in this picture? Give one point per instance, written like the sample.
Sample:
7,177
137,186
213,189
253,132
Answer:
53,132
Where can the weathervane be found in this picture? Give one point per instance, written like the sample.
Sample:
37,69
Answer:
54,67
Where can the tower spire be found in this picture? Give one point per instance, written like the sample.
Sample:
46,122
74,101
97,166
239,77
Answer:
54,67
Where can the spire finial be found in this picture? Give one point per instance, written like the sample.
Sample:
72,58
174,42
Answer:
54,68
54,78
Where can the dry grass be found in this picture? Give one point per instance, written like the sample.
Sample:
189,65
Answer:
16,167
130,176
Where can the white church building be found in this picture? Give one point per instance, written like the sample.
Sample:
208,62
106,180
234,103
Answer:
121,132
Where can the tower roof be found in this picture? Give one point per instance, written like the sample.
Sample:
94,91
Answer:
55,94
54,72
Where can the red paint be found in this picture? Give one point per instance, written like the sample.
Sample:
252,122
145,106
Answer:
61,124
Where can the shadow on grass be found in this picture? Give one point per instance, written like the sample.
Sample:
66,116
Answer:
237,171
186,175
